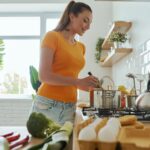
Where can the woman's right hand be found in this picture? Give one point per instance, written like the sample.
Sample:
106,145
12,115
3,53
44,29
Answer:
88,82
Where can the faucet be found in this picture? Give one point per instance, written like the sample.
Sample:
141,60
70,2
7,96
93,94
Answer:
130,75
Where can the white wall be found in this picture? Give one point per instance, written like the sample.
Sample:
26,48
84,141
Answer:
137,62
102,15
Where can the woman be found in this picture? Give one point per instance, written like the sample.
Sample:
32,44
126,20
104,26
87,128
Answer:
62,58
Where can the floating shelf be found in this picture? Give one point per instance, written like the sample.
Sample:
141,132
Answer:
115,55
118,26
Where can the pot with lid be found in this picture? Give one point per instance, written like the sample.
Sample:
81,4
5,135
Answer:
143,100
103,97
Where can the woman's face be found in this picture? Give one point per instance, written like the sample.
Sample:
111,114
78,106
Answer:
80,23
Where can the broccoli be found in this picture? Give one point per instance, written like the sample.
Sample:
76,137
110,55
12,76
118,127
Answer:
40,126
57,140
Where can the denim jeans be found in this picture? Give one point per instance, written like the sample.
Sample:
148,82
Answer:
57,111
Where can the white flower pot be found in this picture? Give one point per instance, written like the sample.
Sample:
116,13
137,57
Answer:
117,45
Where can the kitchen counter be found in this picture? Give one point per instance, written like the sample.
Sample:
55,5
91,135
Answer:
33,141
22,130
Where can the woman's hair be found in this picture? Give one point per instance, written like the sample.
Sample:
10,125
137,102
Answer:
72,7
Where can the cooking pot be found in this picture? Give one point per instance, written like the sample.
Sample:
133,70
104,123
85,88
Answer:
100,98
143,100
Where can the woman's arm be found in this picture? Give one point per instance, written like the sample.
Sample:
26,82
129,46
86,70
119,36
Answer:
48,76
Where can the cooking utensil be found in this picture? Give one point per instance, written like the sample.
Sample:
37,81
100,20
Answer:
100,82
130,75
92,91
103,97
143,101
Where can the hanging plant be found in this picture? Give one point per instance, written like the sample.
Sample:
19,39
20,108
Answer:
98,49
1,53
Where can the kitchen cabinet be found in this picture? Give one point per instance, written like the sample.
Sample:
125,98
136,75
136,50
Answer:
116,54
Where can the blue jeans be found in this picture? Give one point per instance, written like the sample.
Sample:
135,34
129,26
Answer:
57,111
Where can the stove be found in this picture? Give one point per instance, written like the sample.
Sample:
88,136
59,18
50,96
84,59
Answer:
142,115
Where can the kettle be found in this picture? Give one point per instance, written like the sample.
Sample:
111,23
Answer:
143,100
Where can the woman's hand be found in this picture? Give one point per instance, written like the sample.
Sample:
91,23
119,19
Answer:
88,83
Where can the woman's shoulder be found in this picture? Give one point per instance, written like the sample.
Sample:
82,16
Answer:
82,46
52,33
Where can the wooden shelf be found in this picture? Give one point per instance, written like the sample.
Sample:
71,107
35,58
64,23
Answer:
115,55
120,26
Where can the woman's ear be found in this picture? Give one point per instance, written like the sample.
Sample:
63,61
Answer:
71,16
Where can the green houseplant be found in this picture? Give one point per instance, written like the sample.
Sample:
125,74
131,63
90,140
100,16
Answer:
1,53
34,78
98,49
118,38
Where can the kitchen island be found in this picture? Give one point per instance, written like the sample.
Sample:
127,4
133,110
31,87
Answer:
33,141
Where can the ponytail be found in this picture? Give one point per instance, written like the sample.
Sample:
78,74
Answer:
72,7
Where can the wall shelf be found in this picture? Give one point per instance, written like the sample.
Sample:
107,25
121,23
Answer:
120,26
115,55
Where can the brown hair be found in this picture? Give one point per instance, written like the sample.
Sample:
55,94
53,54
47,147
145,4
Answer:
72,7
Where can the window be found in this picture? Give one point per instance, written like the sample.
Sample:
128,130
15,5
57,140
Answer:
22,35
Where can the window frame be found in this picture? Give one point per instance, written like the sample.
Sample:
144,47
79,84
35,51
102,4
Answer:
43,17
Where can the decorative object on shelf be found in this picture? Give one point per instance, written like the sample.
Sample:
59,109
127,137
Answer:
118,38
1,53
98,49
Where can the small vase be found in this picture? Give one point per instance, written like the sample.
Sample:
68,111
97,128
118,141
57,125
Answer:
117,45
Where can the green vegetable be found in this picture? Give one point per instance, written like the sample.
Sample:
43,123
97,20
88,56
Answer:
39,146
57,140
54,146
61,138
67,127
40,126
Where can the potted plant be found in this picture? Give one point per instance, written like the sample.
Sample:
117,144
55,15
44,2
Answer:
1,53
98,49
34,78
118,38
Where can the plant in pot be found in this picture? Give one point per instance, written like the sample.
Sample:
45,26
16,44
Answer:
34,78
118,38
98,49
1,53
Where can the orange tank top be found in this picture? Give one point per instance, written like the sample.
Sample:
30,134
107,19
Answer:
68,61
